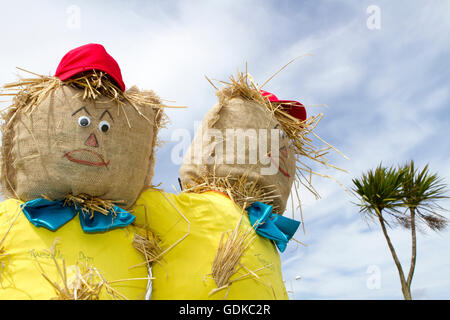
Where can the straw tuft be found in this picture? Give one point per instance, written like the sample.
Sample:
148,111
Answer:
299,132
240,189
232,246
86,283
29,92
90,204
229,253
149,246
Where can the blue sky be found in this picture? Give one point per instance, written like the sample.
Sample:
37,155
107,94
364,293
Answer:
386,90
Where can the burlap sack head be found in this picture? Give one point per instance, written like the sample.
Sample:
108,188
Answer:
241,141
73,145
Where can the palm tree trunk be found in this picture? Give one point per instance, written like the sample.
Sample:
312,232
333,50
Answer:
413,248
405,290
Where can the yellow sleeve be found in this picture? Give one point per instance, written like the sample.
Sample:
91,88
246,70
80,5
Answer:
191,227
162,212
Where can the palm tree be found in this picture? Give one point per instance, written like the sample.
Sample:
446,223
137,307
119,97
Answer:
380,193
389,190
421,192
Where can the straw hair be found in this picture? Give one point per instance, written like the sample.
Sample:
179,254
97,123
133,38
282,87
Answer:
28,93
299,133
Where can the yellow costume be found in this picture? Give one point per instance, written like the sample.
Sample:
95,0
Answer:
26,255
190,227
61,140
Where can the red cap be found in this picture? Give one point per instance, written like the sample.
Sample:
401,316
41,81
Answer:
294,108
89,57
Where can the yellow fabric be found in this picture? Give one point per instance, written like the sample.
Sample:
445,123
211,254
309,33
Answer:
183,273
111,253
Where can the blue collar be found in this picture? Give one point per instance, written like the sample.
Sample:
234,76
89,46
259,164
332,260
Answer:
271,225
53,214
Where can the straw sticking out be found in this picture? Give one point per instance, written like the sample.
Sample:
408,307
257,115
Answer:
148,246
84,282
281,69
229,254
243,86
30,92
89,204
232,247
241,190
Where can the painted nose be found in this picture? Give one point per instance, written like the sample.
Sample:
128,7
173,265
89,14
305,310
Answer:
91,141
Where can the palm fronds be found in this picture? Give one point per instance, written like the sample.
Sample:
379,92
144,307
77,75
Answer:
380,190
422,191
408,195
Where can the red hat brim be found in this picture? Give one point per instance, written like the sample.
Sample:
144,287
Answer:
67,74
91,56
294,108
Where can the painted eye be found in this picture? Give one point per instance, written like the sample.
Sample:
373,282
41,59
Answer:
84,121
283,135
104,126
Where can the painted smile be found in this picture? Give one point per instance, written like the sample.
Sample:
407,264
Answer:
281,168
86,157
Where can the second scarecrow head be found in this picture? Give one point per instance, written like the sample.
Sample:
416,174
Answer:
249,146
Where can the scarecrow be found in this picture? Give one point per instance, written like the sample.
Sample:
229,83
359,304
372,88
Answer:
221,237
77,151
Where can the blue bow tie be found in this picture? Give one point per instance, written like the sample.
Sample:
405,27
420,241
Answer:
272,226
53,214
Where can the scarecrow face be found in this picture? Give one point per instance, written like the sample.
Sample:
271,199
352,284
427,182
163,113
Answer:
279,150
283,160
71,145
97,127
275,168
